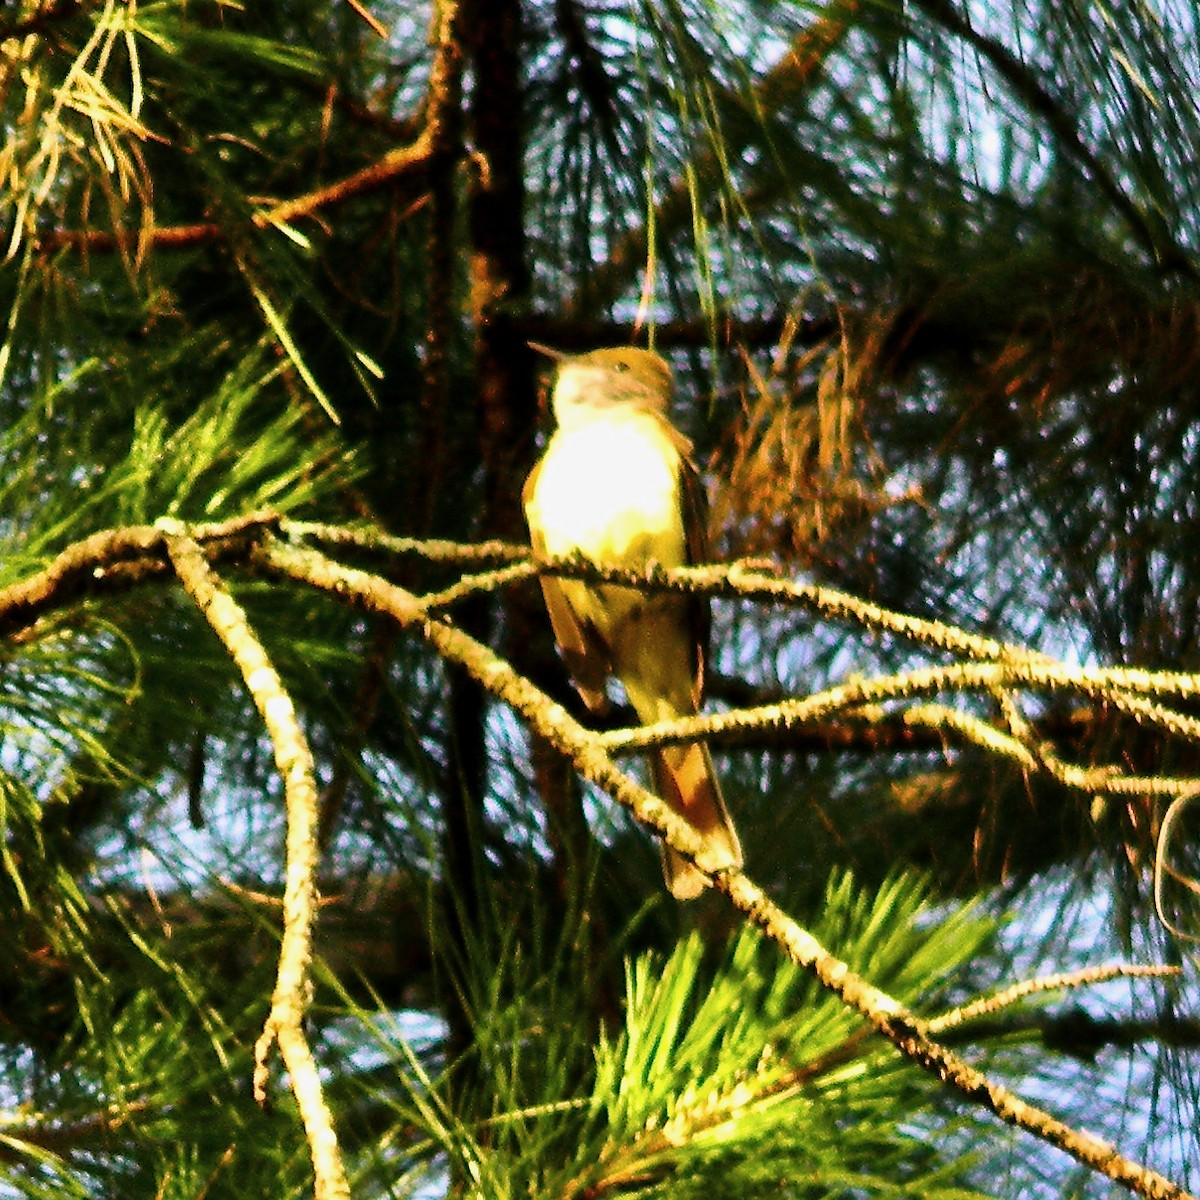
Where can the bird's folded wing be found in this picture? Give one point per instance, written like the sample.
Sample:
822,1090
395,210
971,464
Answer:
695,526
584,652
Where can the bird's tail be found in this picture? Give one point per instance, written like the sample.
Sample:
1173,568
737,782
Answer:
686,781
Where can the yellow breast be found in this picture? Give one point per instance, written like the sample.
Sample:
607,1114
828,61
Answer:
609,488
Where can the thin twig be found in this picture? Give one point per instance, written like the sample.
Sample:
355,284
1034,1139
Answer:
374,541
469,585
1110,778
377,26
970,676
988,1005
387,169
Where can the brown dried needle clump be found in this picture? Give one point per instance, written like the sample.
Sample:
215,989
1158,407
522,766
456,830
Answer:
798,465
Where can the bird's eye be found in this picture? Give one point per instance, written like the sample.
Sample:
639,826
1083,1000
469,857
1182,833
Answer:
621,366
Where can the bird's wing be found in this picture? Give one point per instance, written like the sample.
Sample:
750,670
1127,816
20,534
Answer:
583,650
695,527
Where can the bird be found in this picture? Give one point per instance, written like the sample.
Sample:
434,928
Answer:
616,485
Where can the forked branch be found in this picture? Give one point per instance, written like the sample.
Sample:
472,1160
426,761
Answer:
292,995
121,557
551,721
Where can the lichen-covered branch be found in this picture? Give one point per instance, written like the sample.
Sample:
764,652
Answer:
292,994
142,552
1099,684
989,1005
113,559
552,722
905,1032
120,558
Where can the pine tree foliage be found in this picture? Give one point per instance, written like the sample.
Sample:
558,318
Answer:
927,274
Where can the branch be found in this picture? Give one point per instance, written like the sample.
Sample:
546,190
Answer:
990,1005
373,541
416,159
395,165
889,1018
114,559
89,561
118,559
552,722
292,995
731,580
1034,755
741,580
1105,685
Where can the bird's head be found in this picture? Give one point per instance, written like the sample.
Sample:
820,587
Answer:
606,378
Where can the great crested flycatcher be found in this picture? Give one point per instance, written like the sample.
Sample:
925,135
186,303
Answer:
617,486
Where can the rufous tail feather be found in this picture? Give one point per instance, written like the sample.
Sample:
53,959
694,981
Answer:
686,781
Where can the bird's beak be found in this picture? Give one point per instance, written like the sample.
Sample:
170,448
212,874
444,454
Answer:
548,351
